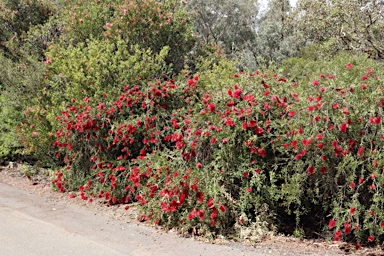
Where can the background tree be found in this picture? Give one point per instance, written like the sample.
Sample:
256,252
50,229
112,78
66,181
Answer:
343,25
228,24
276,39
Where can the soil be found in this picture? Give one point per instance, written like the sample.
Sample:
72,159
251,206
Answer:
40,186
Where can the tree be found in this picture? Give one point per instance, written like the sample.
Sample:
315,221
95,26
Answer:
275,39
228,24
344,25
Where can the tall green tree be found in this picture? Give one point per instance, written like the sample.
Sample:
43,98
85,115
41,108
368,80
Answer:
352,25
275,40
228,24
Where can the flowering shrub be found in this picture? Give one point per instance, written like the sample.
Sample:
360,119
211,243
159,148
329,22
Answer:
245,156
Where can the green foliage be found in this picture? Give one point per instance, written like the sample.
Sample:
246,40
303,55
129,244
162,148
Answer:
148,24
22,73
98,68
16,18
315,60
351,25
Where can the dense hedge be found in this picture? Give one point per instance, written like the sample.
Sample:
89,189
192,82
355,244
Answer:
247,157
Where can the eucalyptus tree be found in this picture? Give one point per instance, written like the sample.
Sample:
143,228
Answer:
353,25
276,39
230,24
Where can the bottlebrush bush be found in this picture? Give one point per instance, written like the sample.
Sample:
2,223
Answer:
246,157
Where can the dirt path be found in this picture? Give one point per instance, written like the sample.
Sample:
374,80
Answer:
36,221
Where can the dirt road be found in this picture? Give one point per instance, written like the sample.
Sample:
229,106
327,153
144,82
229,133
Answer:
39,223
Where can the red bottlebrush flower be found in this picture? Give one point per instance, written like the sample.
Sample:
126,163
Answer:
200,197
246,174
364,77
126,207
311,108
343,127
352,185
201,214
212,107
311,170
363,86
335,106
210,203
222,208
190,216
352,210
322,76
375,120
307,142
252,123
371,239
249,190
237,93
229,122
382,225
257,171
225,140
360,151
357,246
331,223
372,187
337,236
347,228
194,187
198,165
349,66
213,140
361,180
230,93
244,125
291,113
71,195
319,137
315,82
323,158
323,170
373,176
